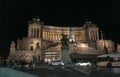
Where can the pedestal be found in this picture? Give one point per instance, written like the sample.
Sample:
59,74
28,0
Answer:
65,55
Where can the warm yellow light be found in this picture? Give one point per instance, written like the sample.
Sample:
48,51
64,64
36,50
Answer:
83,45
45,60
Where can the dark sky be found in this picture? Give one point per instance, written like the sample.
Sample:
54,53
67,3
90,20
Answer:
14,15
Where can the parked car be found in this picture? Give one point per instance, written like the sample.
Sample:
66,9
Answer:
57,62
83,63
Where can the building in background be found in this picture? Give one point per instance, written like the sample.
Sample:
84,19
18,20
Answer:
43,42
108,44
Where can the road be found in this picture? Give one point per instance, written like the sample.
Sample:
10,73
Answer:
73,71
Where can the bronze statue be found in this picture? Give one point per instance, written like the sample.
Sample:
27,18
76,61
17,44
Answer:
64,40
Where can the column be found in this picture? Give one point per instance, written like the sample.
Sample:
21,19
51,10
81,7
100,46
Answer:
47,35
53,37
44,35
59,37
39,32
97,35
35,32
94,35
89,34
29,32
32,32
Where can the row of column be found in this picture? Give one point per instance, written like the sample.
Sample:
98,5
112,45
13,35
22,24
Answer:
57,36
93,35
52,36
34,32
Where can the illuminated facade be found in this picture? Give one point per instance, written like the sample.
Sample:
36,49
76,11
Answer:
43,41
101,44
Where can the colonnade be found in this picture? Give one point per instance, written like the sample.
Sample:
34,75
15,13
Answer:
34,32
52,36
93,35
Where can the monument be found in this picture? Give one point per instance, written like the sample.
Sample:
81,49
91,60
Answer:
65,49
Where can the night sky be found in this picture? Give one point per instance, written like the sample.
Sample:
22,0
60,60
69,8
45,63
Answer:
14,15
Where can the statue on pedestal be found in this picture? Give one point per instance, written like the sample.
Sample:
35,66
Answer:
65,49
